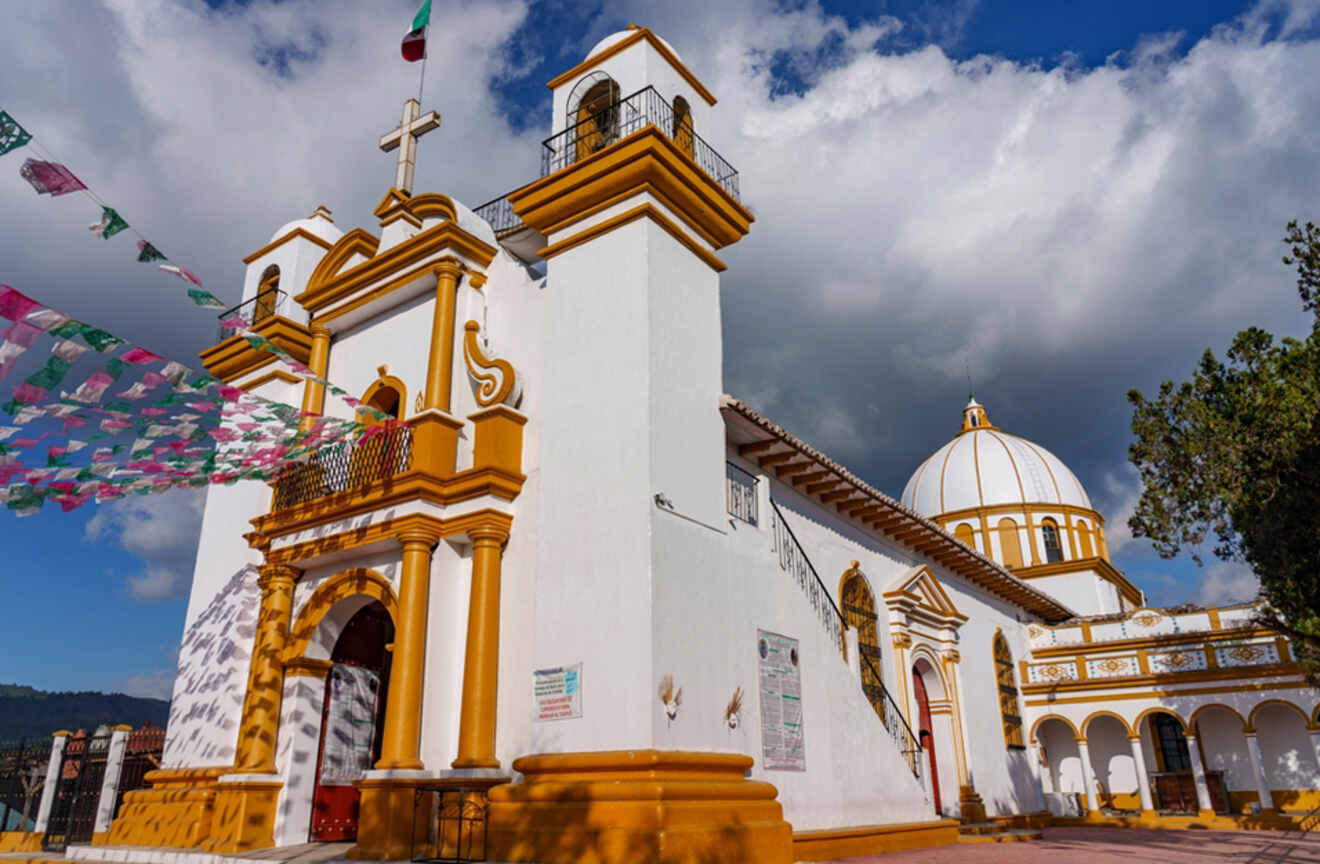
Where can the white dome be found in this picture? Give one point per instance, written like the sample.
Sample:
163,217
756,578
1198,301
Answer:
619,37
318,225
984,467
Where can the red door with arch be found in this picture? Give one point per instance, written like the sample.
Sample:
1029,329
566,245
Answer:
924,732
351,720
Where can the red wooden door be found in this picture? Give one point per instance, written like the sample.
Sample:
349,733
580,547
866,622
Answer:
350,722
925,734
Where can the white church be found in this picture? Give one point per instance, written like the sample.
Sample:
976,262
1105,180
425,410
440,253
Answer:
585,606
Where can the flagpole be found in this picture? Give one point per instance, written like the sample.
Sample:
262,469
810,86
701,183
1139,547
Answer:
421,82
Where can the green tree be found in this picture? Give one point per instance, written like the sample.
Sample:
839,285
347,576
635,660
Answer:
1233,456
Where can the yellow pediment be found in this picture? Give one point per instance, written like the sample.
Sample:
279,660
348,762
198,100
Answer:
918,588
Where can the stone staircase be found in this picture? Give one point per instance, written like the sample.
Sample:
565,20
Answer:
994,832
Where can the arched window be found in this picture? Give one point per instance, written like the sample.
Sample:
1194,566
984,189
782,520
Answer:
268,294
1084,549
1008,694
595,114
964,533
859,614
1010,545
684,135
1053,551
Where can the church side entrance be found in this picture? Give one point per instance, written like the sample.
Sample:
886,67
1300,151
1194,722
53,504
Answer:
924,732
351,720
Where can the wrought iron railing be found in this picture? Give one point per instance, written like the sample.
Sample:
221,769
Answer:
23,766
499,213
793,559
381,454
77,791
268,303
610,123
603,127
740,493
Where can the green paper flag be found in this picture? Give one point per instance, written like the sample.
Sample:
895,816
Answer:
148,253
111,224
12,136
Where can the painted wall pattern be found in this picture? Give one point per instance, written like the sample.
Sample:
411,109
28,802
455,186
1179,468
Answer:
1113,667
1246,654
1042,672
1188,660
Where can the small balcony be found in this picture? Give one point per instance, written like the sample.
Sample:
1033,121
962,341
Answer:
380,455
596,129
268,303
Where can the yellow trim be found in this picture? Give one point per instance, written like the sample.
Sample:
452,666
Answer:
329,283
285,238
645,188
259,723
496,377
274,375
386,381
832,843
647,210
1117,683
1166,693
244,817
1086,724
440,359
340,586
1192,721
1188,640
951,658
1251,718
234,357
307,667
624,44
645,158
1039,720
1102,568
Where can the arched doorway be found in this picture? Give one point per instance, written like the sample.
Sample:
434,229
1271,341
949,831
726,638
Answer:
859,614
925,733
351,719
683,133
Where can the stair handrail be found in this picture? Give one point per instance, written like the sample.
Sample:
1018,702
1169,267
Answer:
895,723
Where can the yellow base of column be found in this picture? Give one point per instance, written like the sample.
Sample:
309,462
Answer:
971,806
385,819
626,806
20,841
244,816
176,811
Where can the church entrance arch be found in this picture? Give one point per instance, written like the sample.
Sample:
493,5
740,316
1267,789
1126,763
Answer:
351,720
925,727
859,614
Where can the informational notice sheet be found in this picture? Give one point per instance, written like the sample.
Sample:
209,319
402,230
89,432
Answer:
350,725
780,679
557,692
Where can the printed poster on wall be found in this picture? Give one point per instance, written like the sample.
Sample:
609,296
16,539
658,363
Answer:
557,692
780,679
350,725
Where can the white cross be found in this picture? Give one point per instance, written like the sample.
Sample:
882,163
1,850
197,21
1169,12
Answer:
413,126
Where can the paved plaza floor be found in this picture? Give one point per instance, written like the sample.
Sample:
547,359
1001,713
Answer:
1128,845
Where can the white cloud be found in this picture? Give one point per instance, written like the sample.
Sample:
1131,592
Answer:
1228,582
1124,490
151,685
160,529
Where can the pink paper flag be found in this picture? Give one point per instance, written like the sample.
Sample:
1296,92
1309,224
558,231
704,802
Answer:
28,393
185,275
15,305
140,355
93,388
50,178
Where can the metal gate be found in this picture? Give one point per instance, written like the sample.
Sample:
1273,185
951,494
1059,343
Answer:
141,754
22,774
82,768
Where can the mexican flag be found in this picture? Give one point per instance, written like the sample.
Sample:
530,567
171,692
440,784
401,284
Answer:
414,41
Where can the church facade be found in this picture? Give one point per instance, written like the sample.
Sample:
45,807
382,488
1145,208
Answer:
621,616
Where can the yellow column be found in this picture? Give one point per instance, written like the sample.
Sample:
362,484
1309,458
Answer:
951,659
476,725
403,701
319,361
440,363
902,642
261,707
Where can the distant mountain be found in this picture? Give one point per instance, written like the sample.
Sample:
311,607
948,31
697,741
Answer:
26,712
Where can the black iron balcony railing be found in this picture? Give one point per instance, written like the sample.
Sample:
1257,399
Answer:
380,455
740,493
267,303
597,129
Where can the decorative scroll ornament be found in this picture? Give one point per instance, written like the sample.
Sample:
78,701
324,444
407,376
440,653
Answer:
495,381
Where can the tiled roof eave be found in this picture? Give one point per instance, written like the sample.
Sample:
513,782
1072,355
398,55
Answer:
917,531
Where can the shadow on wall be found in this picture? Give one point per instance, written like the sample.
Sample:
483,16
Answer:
1025,797
212,676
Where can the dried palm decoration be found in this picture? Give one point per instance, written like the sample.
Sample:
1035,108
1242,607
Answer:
670,697
734,709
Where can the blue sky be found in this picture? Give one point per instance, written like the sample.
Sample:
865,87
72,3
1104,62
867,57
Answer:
97,594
